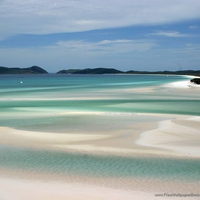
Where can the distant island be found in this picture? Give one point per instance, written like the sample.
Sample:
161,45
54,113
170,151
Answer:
29,70
91,71
115,71
39,70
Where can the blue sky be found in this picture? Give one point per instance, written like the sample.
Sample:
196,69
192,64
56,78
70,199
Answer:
74,34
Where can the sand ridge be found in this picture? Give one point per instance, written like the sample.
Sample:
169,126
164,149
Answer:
178,136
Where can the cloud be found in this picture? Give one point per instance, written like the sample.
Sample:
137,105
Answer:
120,54
193,27
169,34
108,46
192,48
50,16
79,54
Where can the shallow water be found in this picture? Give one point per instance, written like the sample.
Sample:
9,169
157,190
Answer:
99,166
47,102
51,95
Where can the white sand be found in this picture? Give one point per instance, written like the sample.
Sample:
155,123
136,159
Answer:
177,136
37,139
182,85
180,137
20,189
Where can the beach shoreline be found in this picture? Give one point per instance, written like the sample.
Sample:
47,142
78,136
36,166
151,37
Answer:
139,135
175,136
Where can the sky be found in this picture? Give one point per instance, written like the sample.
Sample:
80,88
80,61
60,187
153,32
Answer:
144,35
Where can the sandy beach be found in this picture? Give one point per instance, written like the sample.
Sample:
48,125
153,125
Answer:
20,189
164,136
177,136
174,138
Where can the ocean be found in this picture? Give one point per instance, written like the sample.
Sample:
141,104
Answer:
31,95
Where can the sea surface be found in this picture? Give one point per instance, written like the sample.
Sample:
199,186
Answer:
41,103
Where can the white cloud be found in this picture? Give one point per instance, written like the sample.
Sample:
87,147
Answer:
192,48
193,27
169,34
79,54
108,46
50,16
120,54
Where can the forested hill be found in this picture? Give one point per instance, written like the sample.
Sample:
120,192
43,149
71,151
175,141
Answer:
91,71
29,70
115,71
39,70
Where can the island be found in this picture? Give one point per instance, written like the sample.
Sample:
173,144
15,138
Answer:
39,70
29,70
180,72
91,71
195,81
115,71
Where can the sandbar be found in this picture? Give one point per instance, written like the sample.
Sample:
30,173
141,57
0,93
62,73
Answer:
167,136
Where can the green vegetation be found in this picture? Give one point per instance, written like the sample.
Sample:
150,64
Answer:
39,70
182,72
29,70
114,71
195,80
91,71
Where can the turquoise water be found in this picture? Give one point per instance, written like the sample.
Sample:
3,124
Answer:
36,102
22,95
99,166
33,95
10,85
